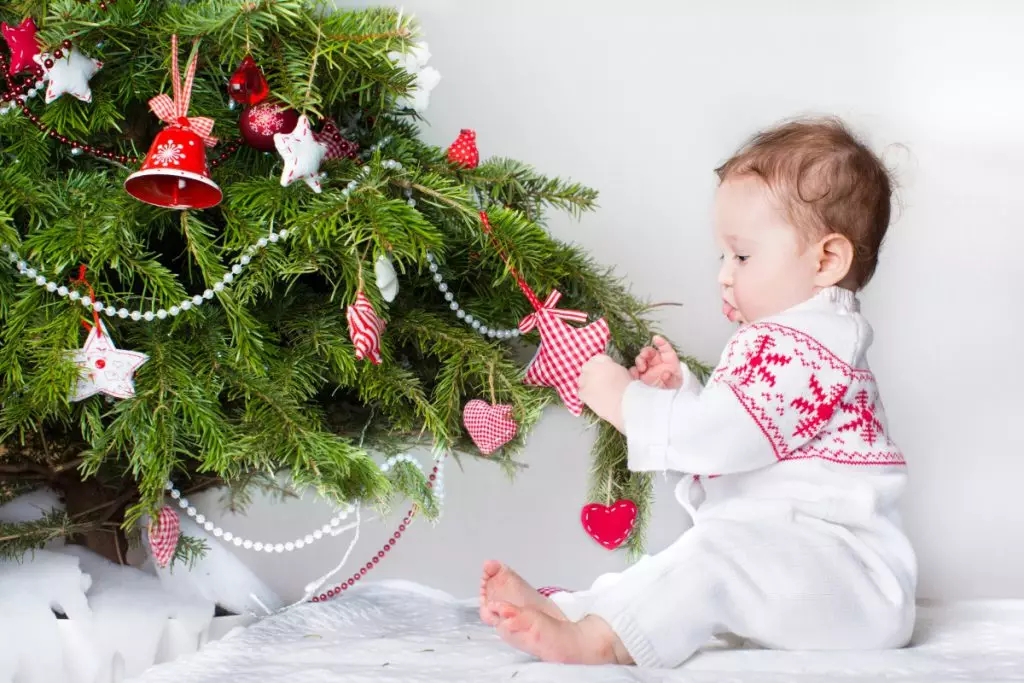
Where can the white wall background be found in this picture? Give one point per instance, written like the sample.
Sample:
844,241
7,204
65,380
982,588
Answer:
642,100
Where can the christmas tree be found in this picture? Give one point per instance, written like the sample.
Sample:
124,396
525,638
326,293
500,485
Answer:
200,288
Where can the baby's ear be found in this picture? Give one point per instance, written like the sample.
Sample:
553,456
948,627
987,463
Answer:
835,258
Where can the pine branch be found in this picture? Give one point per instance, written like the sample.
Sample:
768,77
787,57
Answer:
188,551
513,183
260,381
19,538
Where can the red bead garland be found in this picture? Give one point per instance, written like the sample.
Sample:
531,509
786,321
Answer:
17,92
345,585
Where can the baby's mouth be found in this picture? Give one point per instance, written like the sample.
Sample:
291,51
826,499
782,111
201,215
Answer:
730,311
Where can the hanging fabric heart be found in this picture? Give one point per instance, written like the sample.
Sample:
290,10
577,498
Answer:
163,535
489,426
609,525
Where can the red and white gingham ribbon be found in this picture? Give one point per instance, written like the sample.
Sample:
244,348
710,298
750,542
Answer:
530,322
174,112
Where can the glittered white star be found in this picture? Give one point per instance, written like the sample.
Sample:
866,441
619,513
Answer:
70,74
302,154
105,369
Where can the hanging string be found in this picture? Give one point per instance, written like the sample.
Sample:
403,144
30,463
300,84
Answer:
534,301
92,298
490,381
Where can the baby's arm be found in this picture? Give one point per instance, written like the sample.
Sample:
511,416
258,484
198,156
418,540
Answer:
774,390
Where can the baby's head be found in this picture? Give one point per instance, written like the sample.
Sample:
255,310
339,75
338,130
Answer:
799,208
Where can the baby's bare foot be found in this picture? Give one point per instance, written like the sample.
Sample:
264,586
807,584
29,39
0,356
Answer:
554,640
500,584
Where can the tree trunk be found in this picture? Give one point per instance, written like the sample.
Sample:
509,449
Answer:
81,496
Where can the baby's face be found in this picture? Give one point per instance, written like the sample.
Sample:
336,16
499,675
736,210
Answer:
766,265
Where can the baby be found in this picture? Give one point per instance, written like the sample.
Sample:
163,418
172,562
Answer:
790,475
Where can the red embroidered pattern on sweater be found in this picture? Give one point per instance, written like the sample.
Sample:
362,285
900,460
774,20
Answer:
862,418
818,408
758,361
808,402
857,433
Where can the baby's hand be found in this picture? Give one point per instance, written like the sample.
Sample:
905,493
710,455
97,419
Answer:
658,366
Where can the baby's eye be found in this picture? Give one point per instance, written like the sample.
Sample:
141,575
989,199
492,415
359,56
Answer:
741,259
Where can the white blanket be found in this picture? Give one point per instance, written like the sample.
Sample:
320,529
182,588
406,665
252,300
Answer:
398,631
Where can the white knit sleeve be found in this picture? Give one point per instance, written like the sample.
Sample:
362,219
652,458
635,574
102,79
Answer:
773,391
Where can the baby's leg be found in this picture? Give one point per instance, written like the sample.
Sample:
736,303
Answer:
778,583
499,584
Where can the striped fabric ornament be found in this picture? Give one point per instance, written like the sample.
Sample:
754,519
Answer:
163,535
365,329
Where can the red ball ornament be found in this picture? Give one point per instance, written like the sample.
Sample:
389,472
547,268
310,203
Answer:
260,122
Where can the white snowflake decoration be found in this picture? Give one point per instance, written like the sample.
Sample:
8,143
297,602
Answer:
265,120
169,153
302,154
427,77
105,369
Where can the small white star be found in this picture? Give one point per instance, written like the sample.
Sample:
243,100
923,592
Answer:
70,74
302,154
105,369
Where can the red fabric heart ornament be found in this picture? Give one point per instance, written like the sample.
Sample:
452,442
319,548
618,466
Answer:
609,525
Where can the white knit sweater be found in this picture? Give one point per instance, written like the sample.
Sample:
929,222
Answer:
789,424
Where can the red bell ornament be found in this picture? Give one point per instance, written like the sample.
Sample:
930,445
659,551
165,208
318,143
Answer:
174,173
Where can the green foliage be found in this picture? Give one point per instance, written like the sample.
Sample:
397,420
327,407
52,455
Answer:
263,379
17,539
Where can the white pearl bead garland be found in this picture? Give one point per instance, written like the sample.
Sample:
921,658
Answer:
365,171
29,94
460,313
148,316
310,538
196,300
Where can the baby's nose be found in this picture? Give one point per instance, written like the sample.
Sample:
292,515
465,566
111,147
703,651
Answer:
725,276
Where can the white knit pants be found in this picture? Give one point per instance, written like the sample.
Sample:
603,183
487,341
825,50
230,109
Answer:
779,583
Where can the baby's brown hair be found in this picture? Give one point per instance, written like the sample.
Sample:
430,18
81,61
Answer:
827,180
